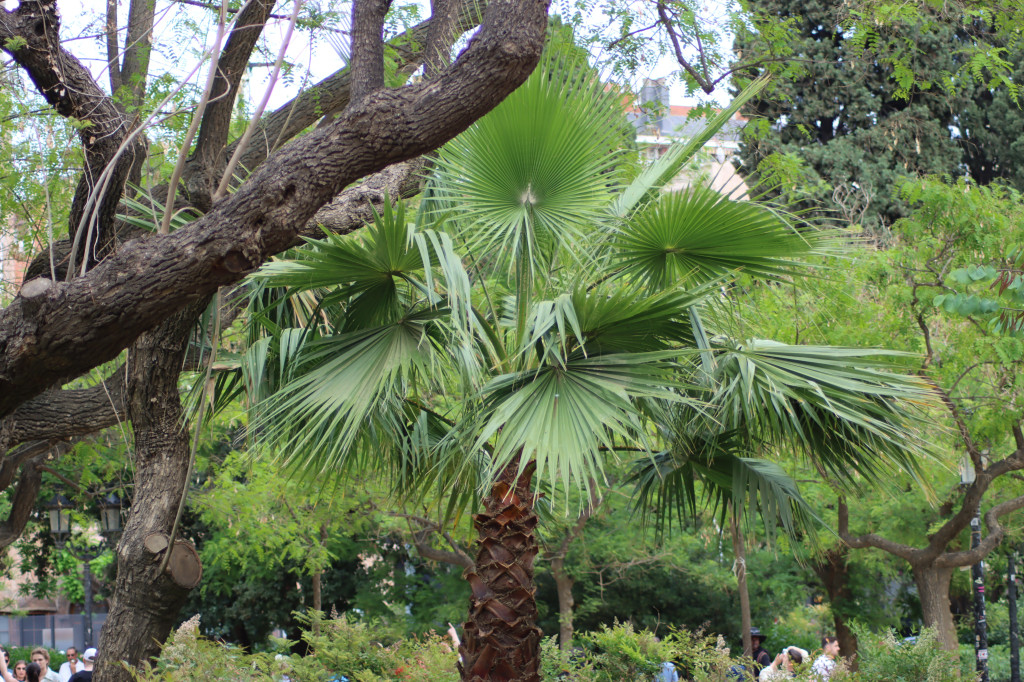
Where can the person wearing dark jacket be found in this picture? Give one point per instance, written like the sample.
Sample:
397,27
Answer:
762,659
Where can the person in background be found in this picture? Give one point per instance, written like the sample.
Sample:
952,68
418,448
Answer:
71,666
762,659
826,663
5,673
41,657
85,674
668,672
19,670
782,667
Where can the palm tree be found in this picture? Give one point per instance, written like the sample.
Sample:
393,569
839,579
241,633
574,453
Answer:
850,412
535,318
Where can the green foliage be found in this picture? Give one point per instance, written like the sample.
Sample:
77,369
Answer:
802,626
887,658
894,122
14,44
362,651
188,656
984,222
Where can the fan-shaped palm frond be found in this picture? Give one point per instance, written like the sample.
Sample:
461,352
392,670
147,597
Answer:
697,235
348,380
535,172
851,411
567,418
667,491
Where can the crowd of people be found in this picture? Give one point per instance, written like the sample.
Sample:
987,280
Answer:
38,669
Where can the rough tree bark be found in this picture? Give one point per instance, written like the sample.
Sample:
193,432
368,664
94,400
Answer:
933,589
147,602
932,565
502,640
67,328
55,331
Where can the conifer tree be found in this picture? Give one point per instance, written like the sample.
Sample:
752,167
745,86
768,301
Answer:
838,108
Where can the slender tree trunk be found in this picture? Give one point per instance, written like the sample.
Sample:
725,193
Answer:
316,579
933,589
833,570
563,585
146,603
740,553
1011,598
502,640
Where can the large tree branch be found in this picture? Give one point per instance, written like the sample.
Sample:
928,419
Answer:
71,90
69,413
208,159
331,95
64,329
138,44
113,64
354,207
27,490
870,540
367,63
938,541
995,535
443,22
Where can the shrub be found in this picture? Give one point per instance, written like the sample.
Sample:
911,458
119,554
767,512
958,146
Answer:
884,658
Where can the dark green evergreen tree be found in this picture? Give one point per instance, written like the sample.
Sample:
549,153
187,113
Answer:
836,108
990,129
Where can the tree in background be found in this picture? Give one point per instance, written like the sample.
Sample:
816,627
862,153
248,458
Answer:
928,294
110,285
860,121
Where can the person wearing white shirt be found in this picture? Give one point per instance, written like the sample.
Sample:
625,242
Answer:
72,666
826,663
41,657
782,667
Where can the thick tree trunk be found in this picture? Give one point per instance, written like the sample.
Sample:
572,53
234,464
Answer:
832,570
933,589
502,640
146,602
740,552
563,585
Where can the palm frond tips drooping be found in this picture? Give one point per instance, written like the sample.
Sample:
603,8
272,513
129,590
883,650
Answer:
667,490
349,380
697,235
535,171
850,411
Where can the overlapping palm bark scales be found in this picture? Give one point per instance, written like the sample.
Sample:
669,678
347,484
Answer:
502,641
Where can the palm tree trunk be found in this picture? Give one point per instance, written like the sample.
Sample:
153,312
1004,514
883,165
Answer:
502,640
740,553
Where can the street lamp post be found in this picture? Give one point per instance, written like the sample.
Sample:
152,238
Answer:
967,477
59,509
